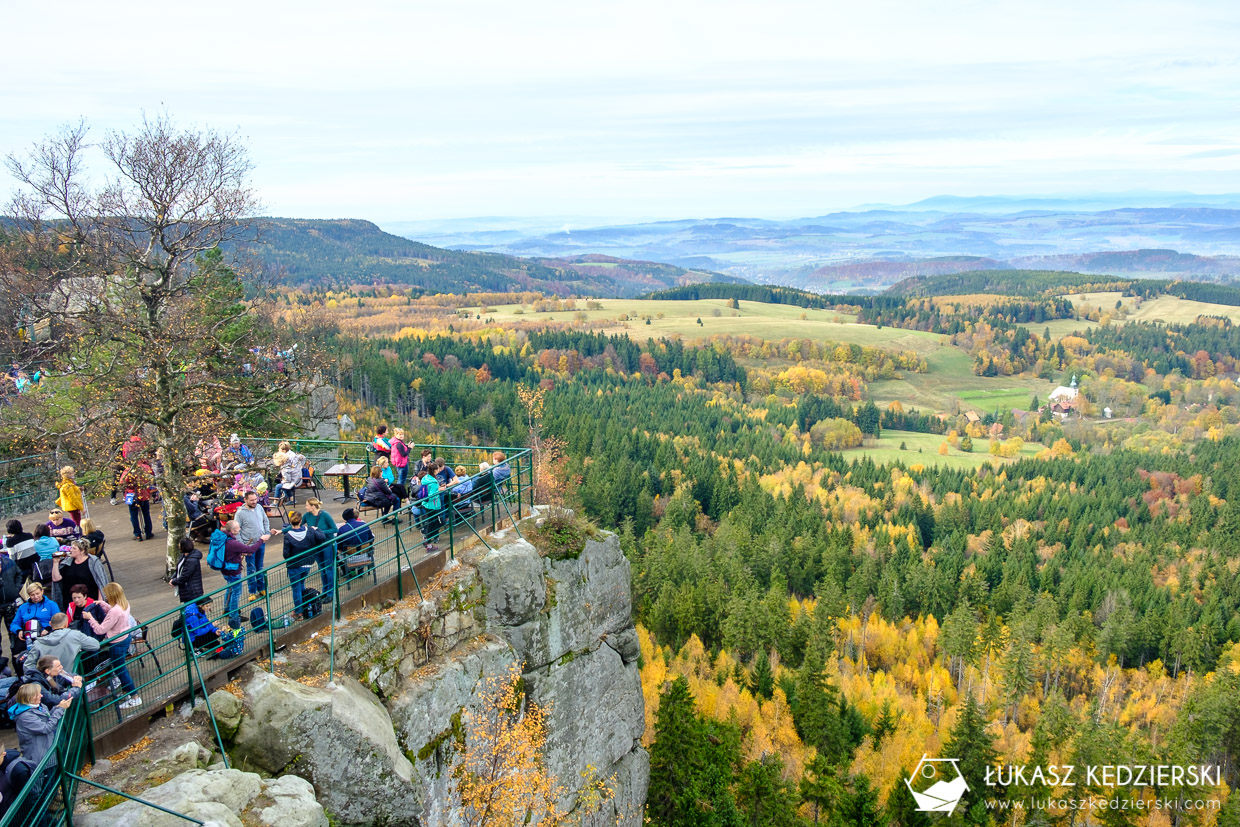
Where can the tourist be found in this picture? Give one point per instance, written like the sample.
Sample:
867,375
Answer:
20,545
10,595
61,643
235,552
400,458
70,498
80,566
353,532
316,517
188,577
38,609
290,463
81,606
444,473
299,541
14,776
209,454
135,482
237,453
200,522
378,493
36,724
46,548
64,529
380,444
500,469
419,467
254,528
431,507
93,535
48,673
389,476
117,621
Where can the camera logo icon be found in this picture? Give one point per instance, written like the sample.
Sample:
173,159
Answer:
937,785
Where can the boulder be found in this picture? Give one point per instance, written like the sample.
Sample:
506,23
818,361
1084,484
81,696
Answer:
515,588
626,644
339,738
189,756
294,804
206,796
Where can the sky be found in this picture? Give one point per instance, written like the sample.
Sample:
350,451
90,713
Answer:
643,110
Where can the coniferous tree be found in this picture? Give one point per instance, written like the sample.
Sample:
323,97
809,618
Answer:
763,683
764,797
974,750
901,807
821,788
691,765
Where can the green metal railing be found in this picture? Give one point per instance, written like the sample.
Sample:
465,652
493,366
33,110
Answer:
166,666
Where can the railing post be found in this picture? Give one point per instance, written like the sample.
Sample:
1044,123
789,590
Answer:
189,657
271,635
520,491
400,553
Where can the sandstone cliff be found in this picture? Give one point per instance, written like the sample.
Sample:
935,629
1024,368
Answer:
378,743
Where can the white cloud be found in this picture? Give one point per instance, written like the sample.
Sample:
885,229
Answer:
404,111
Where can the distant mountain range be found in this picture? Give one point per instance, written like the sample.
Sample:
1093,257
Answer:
871,249
353,252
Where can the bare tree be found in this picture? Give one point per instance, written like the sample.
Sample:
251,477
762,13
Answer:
150,328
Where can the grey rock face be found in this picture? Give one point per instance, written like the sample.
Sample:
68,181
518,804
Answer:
516,590
340,739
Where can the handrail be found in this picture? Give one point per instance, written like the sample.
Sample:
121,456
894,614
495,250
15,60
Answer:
391,557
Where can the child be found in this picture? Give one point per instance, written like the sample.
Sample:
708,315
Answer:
70,499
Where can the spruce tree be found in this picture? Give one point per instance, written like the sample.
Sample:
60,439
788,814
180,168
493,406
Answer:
763,682
901,807
821,789
974,750
860,804
764,797
691,765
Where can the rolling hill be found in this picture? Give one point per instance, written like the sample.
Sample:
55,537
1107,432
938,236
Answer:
352,251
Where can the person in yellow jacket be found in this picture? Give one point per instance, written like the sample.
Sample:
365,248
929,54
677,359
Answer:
70,499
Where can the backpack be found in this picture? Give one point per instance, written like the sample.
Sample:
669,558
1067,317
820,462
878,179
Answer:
311,603
26,766
257,619
215,554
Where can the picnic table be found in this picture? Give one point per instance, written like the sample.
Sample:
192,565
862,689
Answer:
344,470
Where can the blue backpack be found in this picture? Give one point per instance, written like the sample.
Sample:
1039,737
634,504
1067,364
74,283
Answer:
215,554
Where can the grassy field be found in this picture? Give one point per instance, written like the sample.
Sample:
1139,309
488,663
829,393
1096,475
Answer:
1167,309
887,449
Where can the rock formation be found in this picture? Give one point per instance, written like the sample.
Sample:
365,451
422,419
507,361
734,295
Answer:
379,743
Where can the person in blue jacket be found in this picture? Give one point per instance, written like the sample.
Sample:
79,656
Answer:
39,607
353,532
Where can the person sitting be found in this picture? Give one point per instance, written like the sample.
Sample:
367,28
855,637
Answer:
200,522
389,476
237,453
500,470
353,532
36,724
64,529
39,567
378,493
93,535
70,498
62,642
38,609
443,473
289,463
202,632
15,773
49,674
79,567
209,454
188,576
82,605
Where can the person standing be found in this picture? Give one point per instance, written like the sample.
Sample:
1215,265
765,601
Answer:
136,483
400,458
188,577
117,620
316,517
234,552
70,498
254,528
299,541
380,444
36,724
79,567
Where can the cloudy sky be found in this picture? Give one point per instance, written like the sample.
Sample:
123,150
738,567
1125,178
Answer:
415,111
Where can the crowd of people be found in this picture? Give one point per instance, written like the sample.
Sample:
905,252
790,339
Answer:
57,601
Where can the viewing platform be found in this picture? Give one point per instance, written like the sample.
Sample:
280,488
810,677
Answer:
410,545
